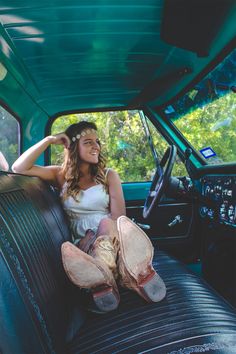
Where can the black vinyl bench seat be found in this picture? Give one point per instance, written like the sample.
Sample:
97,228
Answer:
42,312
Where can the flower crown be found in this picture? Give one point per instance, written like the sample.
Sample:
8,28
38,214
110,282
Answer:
83,133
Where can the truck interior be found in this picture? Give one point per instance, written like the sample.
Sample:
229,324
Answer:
158,77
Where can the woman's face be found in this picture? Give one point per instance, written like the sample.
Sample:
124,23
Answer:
89,148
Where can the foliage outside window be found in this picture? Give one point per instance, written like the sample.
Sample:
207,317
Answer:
213,125
160,145
206,115
9,131
123,139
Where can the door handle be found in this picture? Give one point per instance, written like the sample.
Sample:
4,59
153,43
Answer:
176,220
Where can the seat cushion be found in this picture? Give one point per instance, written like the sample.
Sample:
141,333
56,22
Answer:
191,319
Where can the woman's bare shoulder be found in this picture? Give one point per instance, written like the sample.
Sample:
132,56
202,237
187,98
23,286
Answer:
112,175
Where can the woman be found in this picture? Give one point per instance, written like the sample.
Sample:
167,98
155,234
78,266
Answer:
109,248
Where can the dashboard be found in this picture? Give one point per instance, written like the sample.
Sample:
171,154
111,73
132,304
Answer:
219,193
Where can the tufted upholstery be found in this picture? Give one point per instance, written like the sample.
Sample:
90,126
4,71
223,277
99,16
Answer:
41,312
192,319
34,306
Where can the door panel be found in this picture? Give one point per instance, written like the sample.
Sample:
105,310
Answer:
172,225
171,220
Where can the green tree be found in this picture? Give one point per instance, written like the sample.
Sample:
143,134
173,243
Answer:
123,141
9,130
213,125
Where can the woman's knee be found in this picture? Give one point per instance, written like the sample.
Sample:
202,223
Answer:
107,226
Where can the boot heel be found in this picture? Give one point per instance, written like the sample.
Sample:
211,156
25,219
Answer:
153,288
106,299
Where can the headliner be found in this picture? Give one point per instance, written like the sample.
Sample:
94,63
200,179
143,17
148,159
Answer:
71,55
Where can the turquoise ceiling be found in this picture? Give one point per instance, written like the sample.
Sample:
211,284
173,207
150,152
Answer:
81,55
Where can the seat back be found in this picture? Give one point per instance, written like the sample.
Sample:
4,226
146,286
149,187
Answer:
35,294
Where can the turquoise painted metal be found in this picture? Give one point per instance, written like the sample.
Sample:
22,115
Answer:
136,191
70,55
90,55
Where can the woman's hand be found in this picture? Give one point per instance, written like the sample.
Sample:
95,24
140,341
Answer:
60,139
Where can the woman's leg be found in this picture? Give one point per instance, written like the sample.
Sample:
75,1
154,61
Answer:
106,245
135,262
108,227
92,265
87,241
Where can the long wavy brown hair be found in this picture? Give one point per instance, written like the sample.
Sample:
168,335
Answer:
72,161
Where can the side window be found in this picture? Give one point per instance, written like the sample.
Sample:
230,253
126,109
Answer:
123,139
160,145
9,132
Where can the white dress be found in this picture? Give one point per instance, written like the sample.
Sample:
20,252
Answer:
87,210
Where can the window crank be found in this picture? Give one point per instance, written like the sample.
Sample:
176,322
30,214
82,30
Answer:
177,220
143,226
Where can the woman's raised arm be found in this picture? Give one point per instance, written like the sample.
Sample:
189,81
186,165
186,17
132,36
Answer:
25,163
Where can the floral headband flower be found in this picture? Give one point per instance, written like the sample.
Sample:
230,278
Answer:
83,133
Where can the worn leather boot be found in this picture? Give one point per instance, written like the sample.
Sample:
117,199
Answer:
135,262
105,249
87,241
91,273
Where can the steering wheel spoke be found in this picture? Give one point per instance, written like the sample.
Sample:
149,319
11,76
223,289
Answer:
160,180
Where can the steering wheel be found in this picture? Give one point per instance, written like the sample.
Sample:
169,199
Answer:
160,180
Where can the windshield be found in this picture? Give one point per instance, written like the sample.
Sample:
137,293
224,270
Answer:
206,115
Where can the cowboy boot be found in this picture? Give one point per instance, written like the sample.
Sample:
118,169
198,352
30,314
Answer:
86,242
105,248
135,262
89,273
